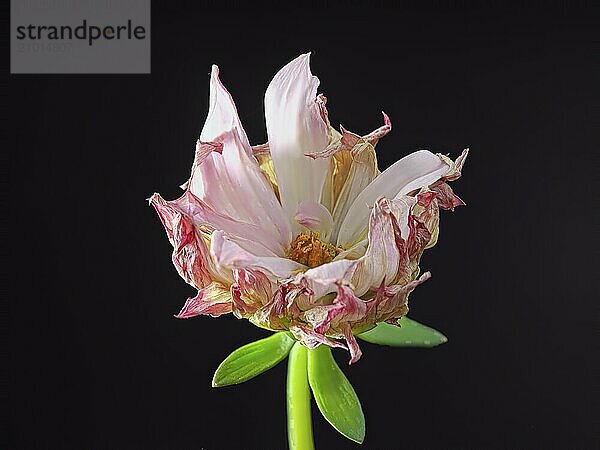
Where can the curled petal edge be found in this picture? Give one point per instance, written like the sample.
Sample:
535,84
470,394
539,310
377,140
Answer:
214,300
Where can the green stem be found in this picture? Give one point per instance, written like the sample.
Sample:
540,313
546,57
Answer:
300,435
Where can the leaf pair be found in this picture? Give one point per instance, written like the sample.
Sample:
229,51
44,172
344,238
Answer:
252,359
332,391
316,368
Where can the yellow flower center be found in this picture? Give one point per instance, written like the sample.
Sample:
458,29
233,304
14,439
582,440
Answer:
308,249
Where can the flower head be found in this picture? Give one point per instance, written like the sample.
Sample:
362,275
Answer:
303,234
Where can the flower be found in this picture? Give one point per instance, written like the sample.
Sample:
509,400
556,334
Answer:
303,234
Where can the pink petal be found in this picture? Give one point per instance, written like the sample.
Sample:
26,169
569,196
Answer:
252,237
295,127
213,300
231,181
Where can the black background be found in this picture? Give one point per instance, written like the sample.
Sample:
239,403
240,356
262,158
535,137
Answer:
96,359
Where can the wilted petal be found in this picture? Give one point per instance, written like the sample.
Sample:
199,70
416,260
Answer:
191,255
213,300
381,262
295,127
230,254
446,197
396,241
252,290
374,136
355,351
401,208
455,166
391,302
232,181
312,339
315,217
346,307
347,140
428,213
414,171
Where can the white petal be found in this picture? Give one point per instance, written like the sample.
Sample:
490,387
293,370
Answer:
230,254
295,128
315,217
414,171
324,279
230,181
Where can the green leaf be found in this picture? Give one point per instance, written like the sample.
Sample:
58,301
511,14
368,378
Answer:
334,394
409,334
252,360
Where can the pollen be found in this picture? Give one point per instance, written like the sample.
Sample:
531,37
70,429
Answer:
308,249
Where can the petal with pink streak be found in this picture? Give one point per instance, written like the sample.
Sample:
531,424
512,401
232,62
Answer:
295,127
191,255
231,181
381,261
227,253
391,302
315,217
355,351
346,307
396,241
213,300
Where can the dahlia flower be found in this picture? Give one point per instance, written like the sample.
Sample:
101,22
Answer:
303,234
